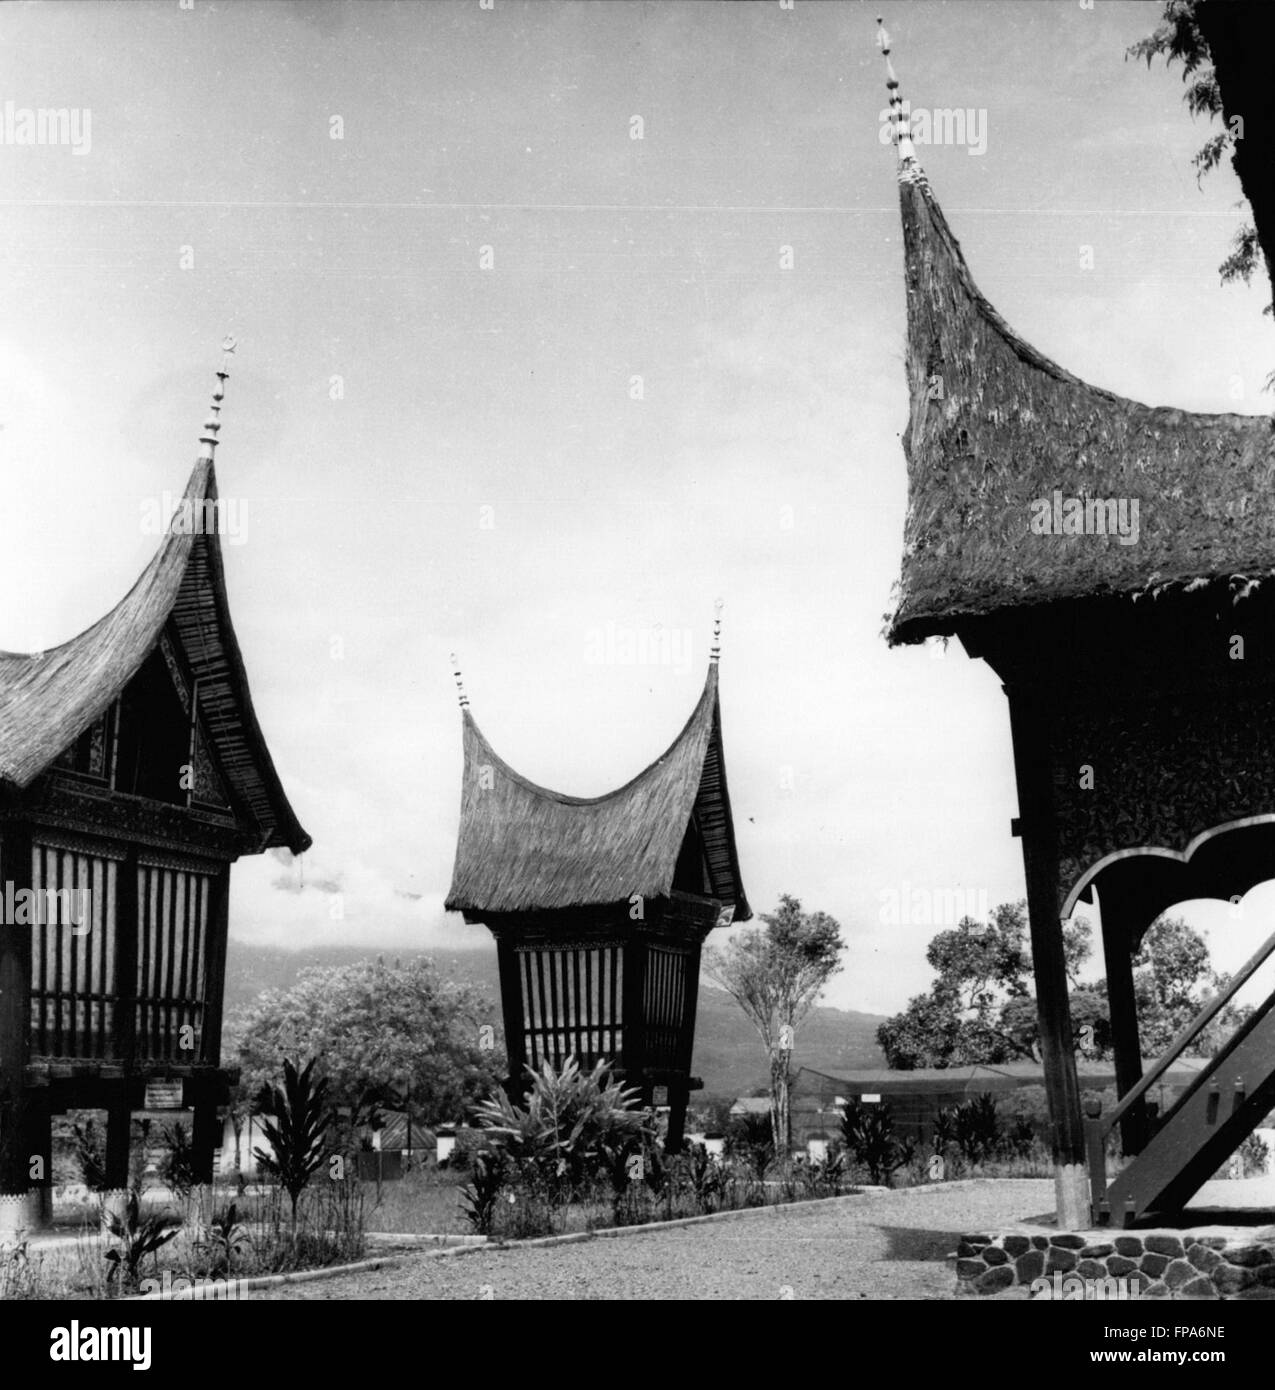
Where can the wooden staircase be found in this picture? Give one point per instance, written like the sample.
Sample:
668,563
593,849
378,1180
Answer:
1208,1122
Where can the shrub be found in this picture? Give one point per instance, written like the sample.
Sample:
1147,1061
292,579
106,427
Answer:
569,1122
481,1193
137,1237
751,1138
178,1166
90,1157
869,1134
977,1128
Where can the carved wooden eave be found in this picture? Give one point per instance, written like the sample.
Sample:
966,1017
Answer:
179,608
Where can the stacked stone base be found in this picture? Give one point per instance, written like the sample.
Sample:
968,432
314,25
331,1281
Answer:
1150,1264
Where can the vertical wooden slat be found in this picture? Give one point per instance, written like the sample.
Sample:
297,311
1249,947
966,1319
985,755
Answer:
39,962
145,931
543,997
529,1006
215,955
126,919
171,900
201,954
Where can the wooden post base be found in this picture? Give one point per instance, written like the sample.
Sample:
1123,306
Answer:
1071,1193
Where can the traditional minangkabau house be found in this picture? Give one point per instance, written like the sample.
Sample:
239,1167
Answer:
1112,563
133,773
600,906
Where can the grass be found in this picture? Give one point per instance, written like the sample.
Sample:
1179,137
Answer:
423,1202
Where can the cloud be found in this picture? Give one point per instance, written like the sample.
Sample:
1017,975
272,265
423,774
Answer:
316,903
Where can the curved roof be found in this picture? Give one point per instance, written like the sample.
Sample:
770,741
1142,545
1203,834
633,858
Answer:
47,699
996,427
524,848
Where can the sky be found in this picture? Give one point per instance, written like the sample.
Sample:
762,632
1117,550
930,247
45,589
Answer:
557,322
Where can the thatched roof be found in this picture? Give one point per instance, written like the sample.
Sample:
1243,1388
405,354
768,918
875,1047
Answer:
995,426
523,848
47,699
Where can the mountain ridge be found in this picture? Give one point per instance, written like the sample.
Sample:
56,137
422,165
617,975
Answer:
728,1053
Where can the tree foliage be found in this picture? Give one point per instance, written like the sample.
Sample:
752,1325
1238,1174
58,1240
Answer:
775,974
380,1033
981,1008
1179,38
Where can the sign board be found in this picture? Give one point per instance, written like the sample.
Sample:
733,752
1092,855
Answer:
871,1100
163,1095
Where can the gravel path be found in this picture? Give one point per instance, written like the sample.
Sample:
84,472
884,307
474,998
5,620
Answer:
879,1245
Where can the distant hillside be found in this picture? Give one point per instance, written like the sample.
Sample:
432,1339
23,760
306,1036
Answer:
728,1052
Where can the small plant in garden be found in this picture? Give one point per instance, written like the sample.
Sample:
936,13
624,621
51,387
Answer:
137,1236
567,1120
869,1135
18,1277
944,1136
750,1138
977,1128
178,1166
1254,1157
226,1239
483,1190
295,1124
90,1157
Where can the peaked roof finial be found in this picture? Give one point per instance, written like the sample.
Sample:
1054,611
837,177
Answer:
715,652
208,440
901,119
460,684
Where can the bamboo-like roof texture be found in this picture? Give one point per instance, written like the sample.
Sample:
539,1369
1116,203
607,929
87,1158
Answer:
996,426
523,848
47,699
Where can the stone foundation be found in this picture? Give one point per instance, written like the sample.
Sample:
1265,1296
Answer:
1207,1263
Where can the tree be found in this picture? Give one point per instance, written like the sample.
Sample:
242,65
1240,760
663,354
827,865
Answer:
775,975
296,1131
1225,50
981,1008
1172,981
381,1032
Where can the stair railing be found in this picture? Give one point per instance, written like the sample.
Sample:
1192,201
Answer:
1098,1127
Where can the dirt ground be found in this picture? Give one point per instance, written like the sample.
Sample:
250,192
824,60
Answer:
890,1245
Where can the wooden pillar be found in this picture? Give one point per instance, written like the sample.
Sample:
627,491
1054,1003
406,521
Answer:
15,1011
215,971
37,1126
127,926
679,1095
1033,765
206,1131
514,1025
119,1122
633,1037
1118,926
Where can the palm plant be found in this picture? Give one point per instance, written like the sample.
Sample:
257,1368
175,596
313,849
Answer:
296,1128
138,1236
569,1122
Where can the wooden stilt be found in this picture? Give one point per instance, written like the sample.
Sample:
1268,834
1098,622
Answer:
1118,926
1040,859
15,1011
511,1002
679,1095
119,1120
206,1134
37,1123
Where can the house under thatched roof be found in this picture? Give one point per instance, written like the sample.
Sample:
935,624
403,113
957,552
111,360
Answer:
49,699
523,848
1007,451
